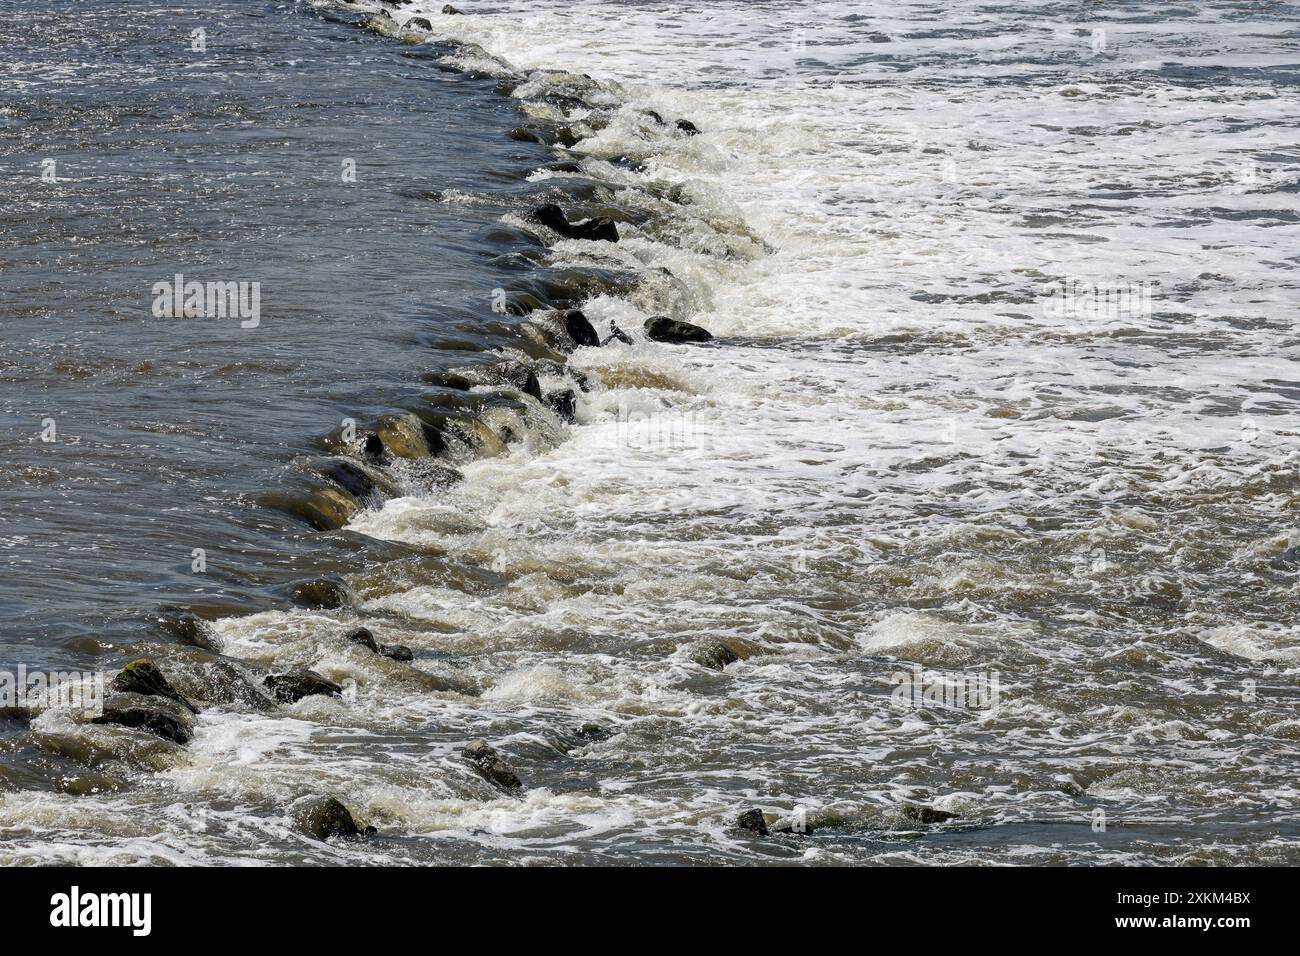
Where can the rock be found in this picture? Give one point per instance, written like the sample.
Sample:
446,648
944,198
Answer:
713,653
363,637
372,448
324,508
420,23
157,722
219,682
517,375
322,593
927,815
449,10
397,652
753,821
186,629
403,436
523,134
687,127
593,733
660,328
617,333
449,380
350,477
295,685
655,116
579,328
552,217
596,230
564,404
491,766
143,677
325,817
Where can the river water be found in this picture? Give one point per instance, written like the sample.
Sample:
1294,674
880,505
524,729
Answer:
1002,393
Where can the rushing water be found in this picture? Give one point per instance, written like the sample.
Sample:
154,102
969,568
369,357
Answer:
1004,386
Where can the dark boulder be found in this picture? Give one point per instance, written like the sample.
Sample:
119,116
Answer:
687,127
420,23
579,328
517,375
397,652
564,404
157,722
599,229
363,637
927,816
753,821
322,593
143,677
526,134
713,654
660,328
372,447
449,10
324,817
295,685
655,116
491,766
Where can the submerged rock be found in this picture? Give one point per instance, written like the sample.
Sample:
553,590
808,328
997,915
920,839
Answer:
593,733
349,476
325,509
599,229
420,23
714,654
687,127
660,328
449,10
491,766
322,593
579,328
926,816
141,717
186,629
324,817
293,686
564,404
219,682
363,637
753,821
448,380
143,677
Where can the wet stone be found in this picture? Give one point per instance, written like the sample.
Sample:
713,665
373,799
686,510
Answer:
293,686
491,766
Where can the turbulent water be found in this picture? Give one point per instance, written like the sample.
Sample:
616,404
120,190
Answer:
1003,388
